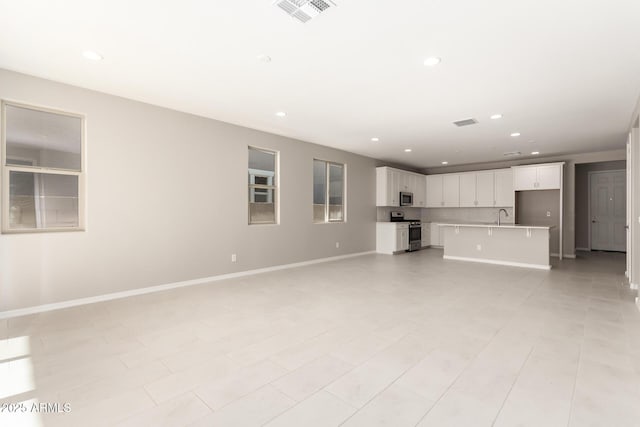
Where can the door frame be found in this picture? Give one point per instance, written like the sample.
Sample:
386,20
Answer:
589,194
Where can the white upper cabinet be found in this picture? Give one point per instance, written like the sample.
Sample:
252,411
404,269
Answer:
443,191
387,187
525,178
549,177
451,190
434,191
537,177
485,189
390,182
504,194
468,190
477,189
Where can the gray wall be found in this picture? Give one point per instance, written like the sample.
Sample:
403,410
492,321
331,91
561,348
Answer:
532,208
571,160
582,197
167,201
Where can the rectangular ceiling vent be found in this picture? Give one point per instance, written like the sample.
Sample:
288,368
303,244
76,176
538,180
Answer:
512,154
304,10
465,122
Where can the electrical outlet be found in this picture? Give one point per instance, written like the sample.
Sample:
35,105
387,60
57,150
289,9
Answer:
548,213
479,247
234,258
337,244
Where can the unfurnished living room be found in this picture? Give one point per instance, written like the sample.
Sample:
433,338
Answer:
320,213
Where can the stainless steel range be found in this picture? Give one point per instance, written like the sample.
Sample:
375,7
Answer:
415,229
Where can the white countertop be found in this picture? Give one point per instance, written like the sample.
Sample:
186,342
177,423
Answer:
481,225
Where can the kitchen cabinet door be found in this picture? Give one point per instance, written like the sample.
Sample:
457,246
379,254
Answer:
393,195
405,181
434,191
548,177
402,239
420,195
524,178
451,190
468,190
484,189
504,194
387,192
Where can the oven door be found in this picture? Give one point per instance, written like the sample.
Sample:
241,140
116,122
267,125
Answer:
415,237
415,233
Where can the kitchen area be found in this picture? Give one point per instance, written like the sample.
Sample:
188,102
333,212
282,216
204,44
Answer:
508,216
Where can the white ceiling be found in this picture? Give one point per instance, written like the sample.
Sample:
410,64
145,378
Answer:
564,73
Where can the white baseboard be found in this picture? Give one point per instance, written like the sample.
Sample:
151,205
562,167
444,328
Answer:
159,288
496,262
583,249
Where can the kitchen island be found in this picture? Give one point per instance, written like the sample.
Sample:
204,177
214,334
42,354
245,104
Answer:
513,245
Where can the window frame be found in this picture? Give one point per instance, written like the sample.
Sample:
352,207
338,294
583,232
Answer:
275,186
5,169
327,200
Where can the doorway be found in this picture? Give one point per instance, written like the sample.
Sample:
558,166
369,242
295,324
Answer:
608,210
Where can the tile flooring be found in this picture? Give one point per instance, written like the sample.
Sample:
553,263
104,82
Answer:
408,340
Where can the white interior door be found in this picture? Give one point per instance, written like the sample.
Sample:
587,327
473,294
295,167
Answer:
608,210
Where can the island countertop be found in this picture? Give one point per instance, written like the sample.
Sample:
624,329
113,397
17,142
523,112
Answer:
493,225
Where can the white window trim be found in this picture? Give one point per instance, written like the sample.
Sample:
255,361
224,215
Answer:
275,186
6,169
326,195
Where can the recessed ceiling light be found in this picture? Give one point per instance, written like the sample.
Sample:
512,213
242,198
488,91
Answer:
94,56
445,163
281,114
496,116
535,153
264,58
407,150
515,134
432,61
374,139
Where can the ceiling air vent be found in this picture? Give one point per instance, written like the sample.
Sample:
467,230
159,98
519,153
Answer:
465,122
512,154
304,10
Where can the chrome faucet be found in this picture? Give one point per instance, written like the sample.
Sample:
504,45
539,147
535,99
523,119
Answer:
506,214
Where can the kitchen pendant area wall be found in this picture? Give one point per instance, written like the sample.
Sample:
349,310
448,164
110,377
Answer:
533,208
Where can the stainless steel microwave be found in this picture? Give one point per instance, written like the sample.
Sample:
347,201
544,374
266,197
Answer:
406,199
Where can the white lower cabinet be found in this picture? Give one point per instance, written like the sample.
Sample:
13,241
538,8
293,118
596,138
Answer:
391,237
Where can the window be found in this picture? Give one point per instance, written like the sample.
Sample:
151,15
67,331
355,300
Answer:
328,191
263,186
42,169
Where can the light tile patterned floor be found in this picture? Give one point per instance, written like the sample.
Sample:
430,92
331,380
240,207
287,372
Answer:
408,340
